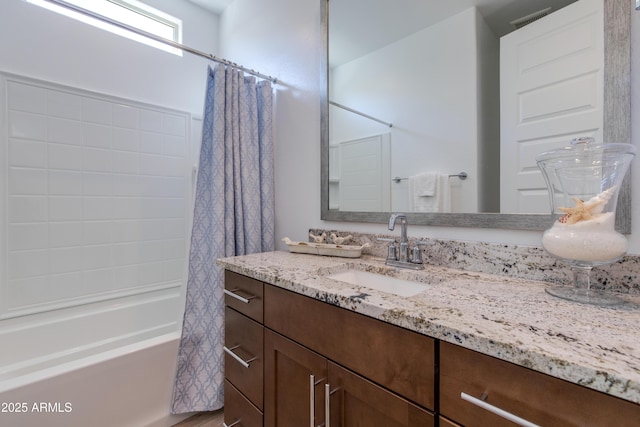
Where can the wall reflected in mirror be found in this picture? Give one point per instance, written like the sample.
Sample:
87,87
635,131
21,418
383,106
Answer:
433,72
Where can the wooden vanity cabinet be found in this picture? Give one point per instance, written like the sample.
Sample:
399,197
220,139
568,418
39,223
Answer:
370,372
244,351
532,396
289,358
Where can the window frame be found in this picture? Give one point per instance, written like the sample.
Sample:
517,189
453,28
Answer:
74,8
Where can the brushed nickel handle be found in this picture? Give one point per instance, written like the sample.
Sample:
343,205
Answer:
240,360
312,400
232,294
327,403
236,422
498,411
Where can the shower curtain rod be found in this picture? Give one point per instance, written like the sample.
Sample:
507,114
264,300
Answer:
360,114
168,42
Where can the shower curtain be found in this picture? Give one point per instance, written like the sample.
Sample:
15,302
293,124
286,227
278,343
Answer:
233,215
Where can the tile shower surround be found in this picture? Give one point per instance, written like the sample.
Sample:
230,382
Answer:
524,262
96,196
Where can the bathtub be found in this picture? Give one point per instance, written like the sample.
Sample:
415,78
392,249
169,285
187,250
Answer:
122,380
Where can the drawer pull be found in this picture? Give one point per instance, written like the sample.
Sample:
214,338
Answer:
243,362
232,294
235,423
500,412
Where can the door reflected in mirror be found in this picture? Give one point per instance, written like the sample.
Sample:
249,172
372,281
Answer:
418,95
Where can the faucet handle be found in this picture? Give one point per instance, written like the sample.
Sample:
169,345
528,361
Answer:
416,252
391,249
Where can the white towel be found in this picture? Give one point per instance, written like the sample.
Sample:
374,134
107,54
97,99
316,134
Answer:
424,184
438,201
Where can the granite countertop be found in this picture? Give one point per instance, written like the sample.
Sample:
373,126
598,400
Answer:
511,319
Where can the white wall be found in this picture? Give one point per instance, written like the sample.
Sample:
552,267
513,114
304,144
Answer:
39,43
427,107
282,38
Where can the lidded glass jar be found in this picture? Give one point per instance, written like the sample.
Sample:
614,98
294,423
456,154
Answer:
584,180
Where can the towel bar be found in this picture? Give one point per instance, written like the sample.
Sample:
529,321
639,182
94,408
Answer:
461,175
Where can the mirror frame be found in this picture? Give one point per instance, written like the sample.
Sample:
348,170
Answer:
616,128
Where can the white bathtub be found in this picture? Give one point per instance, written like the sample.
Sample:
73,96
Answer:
125,380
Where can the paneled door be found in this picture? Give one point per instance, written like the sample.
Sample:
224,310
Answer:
290,369
302,387
365,175
551,91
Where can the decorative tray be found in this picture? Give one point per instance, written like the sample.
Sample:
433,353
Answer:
327,249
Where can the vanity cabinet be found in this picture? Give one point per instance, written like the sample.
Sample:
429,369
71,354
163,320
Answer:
297,361
469,380
244,351
331,361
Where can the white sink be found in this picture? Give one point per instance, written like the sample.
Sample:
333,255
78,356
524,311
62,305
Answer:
392,285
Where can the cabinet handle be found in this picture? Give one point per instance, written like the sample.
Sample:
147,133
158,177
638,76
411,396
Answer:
500,412
312,400
243,362
235,423
232,294
327,403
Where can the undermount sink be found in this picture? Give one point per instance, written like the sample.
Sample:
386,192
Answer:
380,282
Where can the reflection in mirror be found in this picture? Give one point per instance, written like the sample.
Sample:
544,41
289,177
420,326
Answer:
413,106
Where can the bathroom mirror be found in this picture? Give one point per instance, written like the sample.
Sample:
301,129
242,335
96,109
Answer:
616,120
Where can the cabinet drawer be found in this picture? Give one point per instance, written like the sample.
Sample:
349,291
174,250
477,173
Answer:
237,408
536,397
244,294
243,359
398,359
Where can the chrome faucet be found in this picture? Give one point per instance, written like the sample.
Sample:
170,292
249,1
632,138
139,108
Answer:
403,252
402,256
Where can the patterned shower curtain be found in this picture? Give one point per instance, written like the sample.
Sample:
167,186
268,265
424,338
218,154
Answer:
233,215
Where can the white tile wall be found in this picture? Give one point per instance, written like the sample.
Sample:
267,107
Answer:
97,196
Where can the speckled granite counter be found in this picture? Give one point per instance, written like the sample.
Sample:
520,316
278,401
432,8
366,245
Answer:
511,319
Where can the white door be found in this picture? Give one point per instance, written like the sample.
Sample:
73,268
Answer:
551,91
365,176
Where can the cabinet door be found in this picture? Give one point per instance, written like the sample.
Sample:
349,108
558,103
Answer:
289,371
357,402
